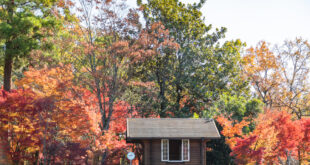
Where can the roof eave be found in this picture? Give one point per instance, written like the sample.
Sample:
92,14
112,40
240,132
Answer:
154,138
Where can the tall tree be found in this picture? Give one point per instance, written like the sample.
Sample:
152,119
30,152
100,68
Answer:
22,26
109,45
262,68
280,77
200,69
294,57
21,30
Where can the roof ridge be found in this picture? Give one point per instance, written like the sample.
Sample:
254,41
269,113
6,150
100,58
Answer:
175,118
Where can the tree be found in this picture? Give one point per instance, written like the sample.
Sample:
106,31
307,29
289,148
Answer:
60,115
74,124
110,49
235,107
218,152
276,136
263,70
158,48
21,123
280,76
294,57
194,75
104,52
21,29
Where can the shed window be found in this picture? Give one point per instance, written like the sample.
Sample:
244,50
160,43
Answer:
175,150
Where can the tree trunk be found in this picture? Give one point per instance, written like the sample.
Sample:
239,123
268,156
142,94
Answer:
7,72
103,157
4,143
3,151
161,83
8,55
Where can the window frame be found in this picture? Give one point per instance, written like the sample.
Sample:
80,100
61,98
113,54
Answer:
162,150
182,154
188,150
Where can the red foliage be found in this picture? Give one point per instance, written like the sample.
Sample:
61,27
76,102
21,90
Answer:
244,152
18,117
275,133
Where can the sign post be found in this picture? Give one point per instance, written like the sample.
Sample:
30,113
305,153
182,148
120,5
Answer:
131,156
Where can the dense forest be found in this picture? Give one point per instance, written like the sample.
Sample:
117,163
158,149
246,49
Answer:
73,71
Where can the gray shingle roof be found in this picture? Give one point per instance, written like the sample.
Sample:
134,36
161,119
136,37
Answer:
147,128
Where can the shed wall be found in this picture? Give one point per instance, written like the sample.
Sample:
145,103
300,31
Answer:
152,155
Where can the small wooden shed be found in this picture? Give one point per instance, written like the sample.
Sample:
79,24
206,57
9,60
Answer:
172,140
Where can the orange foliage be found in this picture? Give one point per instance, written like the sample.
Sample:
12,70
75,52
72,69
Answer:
151,41
70,113
276,132
260,65
231,129
48,106
19,116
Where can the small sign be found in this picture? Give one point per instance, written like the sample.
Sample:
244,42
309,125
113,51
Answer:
131,155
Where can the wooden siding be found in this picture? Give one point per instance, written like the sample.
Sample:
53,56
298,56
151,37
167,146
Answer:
152,153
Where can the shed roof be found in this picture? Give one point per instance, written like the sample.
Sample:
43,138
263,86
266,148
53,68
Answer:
148,128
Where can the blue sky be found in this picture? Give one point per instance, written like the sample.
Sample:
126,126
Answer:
253,20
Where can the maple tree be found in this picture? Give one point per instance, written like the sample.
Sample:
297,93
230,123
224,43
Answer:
105,58
55,113
43,113
275,134
157,49
236,108
58,110
21,123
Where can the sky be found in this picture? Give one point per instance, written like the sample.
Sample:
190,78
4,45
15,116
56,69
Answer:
254,20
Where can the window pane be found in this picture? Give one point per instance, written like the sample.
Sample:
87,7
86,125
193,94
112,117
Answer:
164,149
175,149
185,149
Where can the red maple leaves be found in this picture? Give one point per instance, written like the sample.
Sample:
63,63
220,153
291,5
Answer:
276,133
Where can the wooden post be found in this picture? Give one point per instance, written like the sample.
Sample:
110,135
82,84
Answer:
146,152
203,151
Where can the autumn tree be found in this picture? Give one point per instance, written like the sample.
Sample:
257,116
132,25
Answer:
280,75
21,123
74,122
236,108
294,57
275,135
262,68
21,29
108,46
55,109
35,124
